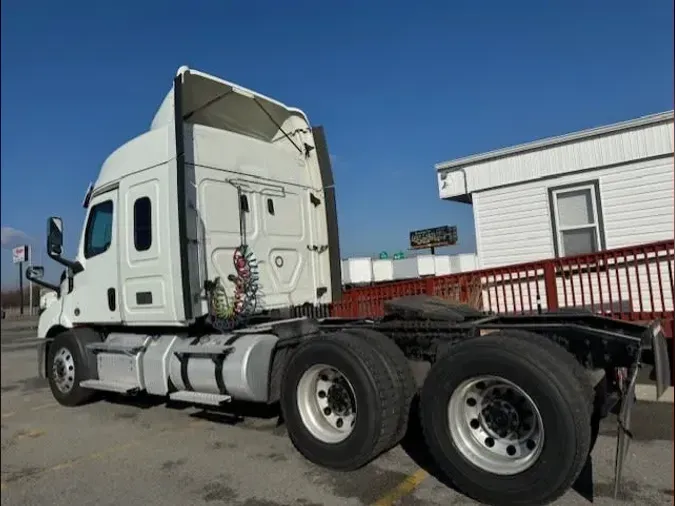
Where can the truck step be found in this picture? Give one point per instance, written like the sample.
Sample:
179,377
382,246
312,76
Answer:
115,348
110,386
200,398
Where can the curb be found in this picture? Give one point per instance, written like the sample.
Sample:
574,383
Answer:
647,393
20,328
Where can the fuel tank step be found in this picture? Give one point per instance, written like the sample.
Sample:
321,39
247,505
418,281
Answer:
115,348
110,386
200,398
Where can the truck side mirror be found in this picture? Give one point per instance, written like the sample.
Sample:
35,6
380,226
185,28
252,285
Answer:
35,272
55,236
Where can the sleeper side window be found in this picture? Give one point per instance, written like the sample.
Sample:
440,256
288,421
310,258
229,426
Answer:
243,204
142,224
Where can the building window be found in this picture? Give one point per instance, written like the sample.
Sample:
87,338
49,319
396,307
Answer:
99,233
142,224
577,222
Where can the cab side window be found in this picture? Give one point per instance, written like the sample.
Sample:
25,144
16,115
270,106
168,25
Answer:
99,233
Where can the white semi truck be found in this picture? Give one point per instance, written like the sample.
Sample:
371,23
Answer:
207,238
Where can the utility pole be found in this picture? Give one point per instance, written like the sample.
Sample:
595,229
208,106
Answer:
21,286
30,285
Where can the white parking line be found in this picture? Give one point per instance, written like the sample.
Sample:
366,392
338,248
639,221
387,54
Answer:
18,343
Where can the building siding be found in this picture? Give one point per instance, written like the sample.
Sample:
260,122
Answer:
611,149
513,224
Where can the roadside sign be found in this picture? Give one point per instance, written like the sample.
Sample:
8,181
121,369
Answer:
20,254
433,237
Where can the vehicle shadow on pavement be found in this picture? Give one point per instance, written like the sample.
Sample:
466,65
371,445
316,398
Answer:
236,412
232,413
140,401
414,446
413,443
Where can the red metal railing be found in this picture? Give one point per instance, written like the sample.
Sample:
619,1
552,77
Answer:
633,283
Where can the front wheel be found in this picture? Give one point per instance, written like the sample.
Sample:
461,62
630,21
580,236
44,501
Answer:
69,363
507,418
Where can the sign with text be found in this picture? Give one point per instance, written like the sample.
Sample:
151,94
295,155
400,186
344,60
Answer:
433,237
20,254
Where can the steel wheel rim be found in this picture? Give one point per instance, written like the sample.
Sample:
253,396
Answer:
495,425
63,370
327,403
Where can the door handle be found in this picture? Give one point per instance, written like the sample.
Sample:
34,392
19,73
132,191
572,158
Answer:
112,304
318,249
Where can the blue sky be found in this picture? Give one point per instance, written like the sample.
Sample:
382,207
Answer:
398,89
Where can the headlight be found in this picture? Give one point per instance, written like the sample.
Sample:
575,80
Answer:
46,300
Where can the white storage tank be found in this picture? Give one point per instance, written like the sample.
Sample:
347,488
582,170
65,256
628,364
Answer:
383,270
405,268
426,265
357,271
465,262
442,265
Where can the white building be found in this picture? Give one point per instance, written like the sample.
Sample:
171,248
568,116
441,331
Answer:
602,188
598,189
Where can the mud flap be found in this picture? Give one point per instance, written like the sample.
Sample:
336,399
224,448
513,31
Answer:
623,430
655,339
659,346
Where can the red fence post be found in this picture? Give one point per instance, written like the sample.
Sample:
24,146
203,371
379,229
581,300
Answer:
550,286
429,286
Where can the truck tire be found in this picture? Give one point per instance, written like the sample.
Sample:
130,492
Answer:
339,402
69,363
399,370
532,441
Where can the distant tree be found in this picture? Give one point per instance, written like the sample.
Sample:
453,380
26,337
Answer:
11,298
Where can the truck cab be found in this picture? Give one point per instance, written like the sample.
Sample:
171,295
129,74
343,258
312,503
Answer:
221,168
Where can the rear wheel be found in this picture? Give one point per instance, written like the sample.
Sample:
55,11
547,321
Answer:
399,370
339,402
495,425
507,418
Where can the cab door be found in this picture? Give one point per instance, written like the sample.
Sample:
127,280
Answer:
95,295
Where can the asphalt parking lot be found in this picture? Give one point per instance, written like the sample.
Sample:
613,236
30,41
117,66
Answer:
122,452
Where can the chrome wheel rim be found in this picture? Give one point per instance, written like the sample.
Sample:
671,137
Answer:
63,370
495,425
327,403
